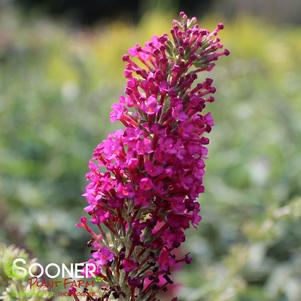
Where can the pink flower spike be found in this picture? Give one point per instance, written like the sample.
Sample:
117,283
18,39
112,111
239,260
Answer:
144,181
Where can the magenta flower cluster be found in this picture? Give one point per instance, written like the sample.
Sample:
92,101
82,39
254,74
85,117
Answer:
144,180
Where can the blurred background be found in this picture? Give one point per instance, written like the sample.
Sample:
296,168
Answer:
60,71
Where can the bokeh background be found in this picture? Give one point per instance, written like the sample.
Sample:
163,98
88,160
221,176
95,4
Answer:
60,71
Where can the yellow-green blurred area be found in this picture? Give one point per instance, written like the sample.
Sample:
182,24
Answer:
57,84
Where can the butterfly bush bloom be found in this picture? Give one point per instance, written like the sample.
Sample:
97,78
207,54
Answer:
144,180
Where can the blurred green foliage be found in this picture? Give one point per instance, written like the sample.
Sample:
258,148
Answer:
14,286
56,88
